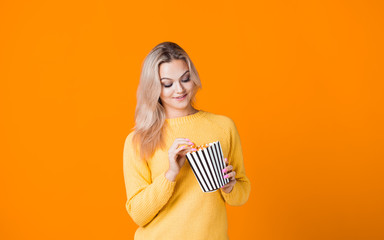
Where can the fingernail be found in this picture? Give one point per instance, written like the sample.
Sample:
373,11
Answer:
194,149
191,143
187,139
224,170
226,176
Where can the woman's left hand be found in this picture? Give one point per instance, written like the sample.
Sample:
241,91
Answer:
227,188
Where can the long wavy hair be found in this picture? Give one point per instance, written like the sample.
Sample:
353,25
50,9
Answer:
150,116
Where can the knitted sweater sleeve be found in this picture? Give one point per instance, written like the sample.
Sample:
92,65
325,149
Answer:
145,197
240,192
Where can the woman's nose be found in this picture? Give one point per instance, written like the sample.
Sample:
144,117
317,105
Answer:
179,87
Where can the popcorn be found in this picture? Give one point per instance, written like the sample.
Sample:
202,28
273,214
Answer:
206,163
200,147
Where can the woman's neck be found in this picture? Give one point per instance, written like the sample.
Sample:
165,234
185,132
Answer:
183,113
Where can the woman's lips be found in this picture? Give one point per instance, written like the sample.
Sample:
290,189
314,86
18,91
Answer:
182,98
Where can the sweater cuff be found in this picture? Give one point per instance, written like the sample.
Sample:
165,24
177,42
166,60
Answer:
168,185
228,196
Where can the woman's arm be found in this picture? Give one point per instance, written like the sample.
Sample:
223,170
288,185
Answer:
242,188
144,197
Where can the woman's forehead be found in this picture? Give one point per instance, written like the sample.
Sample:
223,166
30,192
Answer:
173,70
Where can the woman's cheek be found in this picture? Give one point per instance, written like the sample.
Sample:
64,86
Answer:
167,92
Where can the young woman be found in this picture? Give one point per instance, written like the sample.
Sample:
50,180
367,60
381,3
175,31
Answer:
163,196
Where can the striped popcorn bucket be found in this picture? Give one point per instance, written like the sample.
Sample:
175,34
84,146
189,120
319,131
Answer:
207,165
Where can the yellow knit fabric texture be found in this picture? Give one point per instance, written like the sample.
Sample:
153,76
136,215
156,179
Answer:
181,210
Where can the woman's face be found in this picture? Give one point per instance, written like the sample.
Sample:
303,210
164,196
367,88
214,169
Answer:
175,83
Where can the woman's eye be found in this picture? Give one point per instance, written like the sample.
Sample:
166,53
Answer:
185,80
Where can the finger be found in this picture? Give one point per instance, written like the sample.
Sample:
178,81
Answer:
181,148
230,184
227,169
231,175
225,186
233,178
226,161
180,141
184,145
184,149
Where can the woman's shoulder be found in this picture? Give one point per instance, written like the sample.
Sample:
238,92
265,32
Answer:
129,137
129,143
220,119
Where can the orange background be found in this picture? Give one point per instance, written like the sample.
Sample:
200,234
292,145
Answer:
303,81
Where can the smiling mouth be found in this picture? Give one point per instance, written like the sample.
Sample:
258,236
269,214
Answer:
181,96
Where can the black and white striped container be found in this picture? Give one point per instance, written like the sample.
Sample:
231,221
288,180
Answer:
207,165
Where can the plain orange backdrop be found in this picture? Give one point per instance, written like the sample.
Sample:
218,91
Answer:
303,81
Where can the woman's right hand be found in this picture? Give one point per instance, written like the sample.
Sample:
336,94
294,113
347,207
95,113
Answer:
176,156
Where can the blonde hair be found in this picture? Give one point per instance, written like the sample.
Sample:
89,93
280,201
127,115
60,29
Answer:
150,113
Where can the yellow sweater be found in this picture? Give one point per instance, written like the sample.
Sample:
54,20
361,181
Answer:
181,210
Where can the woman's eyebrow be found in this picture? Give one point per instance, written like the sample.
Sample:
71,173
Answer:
171,79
